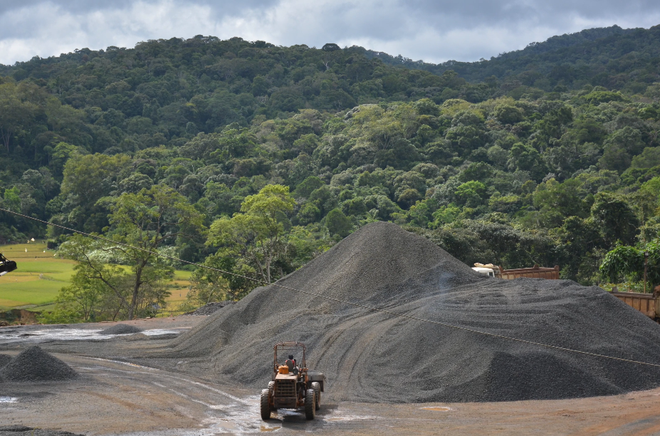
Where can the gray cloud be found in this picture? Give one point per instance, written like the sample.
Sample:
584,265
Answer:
432,30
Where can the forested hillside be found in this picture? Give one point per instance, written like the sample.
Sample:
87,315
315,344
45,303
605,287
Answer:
256,158
613,57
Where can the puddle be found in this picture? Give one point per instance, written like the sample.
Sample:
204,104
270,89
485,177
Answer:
340,416
8,400
236,418
351,418
159,332
69,334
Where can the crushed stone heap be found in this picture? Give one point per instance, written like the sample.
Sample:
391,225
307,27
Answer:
4,360
34,364
376,357
121,329
21,430
210,308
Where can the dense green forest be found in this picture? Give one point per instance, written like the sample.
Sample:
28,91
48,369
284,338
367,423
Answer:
254,159
616,58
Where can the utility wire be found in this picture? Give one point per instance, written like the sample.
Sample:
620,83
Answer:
338,300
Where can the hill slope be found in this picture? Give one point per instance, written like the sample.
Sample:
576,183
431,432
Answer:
611,57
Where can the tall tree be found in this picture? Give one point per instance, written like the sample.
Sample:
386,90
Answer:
616,218
257,232
98,288
144,222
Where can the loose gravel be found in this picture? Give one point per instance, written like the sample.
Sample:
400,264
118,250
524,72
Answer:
34,364
373,356
121,329
211,308
4,360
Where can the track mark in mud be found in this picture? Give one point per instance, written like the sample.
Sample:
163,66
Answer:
218,391
182,395
238,416
121,362
135,365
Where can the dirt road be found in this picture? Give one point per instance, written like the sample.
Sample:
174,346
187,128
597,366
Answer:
115,397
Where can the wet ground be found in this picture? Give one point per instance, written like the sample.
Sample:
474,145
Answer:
116,397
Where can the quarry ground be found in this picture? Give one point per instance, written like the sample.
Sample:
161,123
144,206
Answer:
118,397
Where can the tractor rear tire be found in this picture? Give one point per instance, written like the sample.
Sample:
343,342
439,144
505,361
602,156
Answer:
265,404
310,404
317,389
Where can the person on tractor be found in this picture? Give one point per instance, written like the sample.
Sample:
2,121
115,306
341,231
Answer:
291,363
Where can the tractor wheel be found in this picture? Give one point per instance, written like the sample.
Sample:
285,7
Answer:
317,389
265,404
310,404
271,387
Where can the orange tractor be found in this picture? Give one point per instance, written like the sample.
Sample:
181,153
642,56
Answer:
293,385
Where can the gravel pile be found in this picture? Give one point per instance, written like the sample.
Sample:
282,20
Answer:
34,364
121,329
21,430
376,357
210,308
4,359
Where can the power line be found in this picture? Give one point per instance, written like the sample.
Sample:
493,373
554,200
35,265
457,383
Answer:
338,300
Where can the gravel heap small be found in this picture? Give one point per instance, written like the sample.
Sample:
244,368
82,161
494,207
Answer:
34,364
21,430
210,308
420,356
121,329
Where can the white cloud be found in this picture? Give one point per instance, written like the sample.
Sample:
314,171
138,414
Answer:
431,30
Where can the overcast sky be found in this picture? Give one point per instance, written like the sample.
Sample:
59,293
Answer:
430,30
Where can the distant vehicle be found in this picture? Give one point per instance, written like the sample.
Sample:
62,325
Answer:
293,385
486,270
535,272
6,265
648,304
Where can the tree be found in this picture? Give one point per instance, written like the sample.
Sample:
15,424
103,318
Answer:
88,178
580,241
207,286
616,218
224,277
557,201
98,290
526,158
626,263
257,232
471,193
143,222
338,223
331,46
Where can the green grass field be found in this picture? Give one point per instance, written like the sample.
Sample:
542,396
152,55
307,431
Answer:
40,276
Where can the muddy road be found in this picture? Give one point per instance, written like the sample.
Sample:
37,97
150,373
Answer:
114,395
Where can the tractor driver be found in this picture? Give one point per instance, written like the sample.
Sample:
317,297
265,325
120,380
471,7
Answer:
291,363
